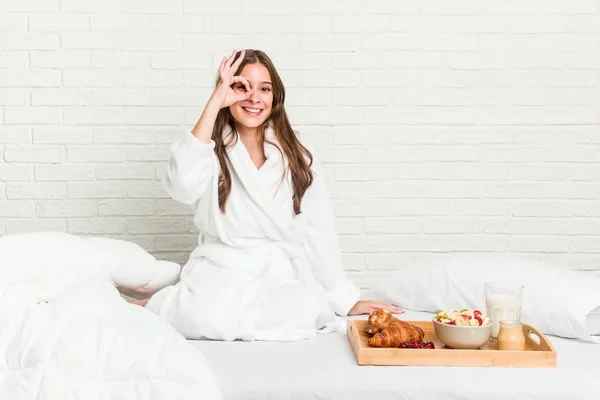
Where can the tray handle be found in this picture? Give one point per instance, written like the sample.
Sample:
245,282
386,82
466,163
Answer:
541,344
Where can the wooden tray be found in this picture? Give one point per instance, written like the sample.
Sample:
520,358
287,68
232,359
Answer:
535,355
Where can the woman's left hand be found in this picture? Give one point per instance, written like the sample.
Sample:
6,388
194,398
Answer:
367,306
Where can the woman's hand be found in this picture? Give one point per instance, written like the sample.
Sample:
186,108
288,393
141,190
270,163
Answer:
224,95
367,306
139,302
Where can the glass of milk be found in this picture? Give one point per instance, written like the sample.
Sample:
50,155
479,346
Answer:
503,301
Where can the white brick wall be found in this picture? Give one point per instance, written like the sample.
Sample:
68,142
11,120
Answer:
444,126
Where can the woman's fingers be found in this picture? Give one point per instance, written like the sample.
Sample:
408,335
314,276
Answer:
230,59
237,63
242,80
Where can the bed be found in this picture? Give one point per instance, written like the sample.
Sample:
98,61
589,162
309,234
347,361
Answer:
325,368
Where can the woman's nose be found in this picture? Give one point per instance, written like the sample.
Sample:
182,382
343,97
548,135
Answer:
254,97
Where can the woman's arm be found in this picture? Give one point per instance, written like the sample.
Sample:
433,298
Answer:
192,162
191,167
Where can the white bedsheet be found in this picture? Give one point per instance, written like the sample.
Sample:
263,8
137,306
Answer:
325,368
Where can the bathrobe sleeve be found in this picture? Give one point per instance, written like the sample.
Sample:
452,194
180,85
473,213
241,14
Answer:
190,169
322,246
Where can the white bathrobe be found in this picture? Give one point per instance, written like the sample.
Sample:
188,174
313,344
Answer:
260,272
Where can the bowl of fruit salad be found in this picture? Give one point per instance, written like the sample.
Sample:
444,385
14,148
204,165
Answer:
462,329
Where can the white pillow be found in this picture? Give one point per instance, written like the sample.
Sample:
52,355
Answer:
55,260
556,300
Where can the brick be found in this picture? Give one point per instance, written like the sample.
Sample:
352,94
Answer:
575,190
511,190
125,171
60,59
119,23
60,97
122,60
420,171
32,115
62,135
363,23
332,7
367,244
451,153
451,190
13,23
108,116
349,226
59,23
179,61
179,97
64,172
180,24
167,207
147,190
122,135
90,7
151,7
108,208
213,42
335,115
391,153
307,97
15,173
97,226
585,244
30,6
451,225
363,172
14,227
457,7
152,42
90,41
393,225
157,225
65,208
478,207
14,97
33,154
13,60
548,244
94,78
176,242
367,97
36,190
17,208
30,78
96,190
119,97
479,172
225,7
96,153
152,79
29,41
338,78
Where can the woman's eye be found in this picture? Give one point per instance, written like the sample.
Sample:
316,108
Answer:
266,89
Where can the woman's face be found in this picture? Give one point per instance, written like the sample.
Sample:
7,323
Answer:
254,112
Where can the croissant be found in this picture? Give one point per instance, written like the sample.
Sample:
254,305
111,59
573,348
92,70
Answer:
378,321
398,332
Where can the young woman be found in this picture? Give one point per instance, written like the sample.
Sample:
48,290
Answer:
268,265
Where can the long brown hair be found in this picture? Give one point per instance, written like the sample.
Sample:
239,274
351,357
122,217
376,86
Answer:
299,158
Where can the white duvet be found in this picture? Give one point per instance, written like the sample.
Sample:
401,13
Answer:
66,333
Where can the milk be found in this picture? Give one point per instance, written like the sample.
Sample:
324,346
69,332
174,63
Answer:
502,307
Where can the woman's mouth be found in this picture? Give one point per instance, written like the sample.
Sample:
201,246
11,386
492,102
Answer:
252,111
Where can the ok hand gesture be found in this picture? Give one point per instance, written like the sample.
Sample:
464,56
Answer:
224,95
